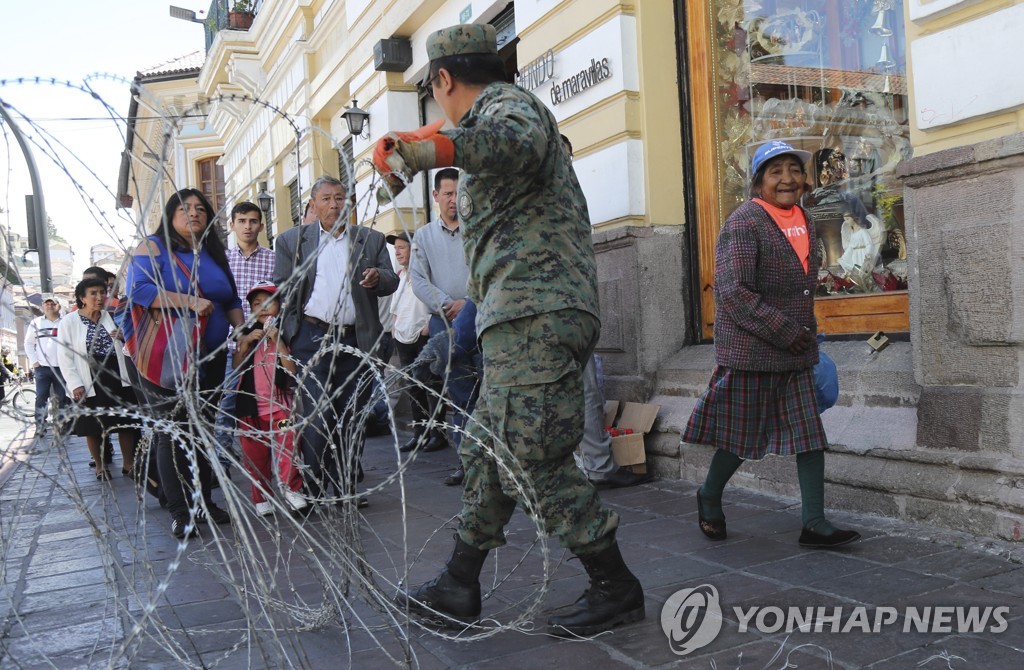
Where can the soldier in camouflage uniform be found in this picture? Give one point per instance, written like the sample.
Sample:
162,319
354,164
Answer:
533,278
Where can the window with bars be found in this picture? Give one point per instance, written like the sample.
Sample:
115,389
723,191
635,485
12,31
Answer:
346,161
295,202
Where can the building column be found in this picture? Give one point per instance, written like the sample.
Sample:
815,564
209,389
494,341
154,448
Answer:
965,227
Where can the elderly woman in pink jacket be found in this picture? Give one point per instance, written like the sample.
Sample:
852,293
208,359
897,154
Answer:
761,399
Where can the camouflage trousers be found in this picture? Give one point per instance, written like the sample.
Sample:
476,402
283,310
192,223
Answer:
530,412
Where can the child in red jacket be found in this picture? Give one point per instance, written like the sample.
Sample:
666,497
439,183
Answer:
264,405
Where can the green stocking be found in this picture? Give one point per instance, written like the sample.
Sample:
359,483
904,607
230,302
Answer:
810,470
723,465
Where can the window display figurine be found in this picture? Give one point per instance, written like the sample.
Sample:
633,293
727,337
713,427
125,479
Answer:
859,231
860,250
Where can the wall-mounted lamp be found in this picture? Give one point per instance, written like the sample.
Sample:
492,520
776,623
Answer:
357,119
266,203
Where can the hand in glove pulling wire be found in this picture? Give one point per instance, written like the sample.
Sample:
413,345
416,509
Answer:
406,154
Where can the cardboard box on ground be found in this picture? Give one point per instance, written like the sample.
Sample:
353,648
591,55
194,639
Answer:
628,450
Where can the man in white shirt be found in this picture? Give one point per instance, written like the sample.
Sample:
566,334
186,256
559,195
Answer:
410,333
41,350
332,275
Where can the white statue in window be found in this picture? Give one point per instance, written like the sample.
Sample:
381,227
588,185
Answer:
860,248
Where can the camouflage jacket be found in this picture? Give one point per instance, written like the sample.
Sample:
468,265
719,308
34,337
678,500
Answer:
526,228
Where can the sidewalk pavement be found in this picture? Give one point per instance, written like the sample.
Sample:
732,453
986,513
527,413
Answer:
74,593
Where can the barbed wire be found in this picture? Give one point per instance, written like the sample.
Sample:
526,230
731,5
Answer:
333,571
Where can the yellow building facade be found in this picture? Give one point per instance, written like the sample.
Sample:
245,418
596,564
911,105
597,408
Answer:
664,102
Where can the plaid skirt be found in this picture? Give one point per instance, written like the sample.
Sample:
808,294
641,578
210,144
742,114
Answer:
753,414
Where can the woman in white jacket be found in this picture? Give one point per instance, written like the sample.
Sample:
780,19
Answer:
90,358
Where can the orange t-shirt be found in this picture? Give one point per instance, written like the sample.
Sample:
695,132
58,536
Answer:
793,225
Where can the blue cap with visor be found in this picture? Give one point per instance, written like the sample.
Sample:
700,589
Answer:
772,149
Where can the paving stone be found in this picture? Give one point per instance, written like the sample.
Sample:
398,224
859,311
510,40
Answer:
97,594
673,570
956,652
64,536
65,581
760,564
58,640
200,614
745,554
504,644
556,656
959,564
732,587
881,586
1007,582
63,565
666,534
810,567
890,550
760,654
783,525
856,648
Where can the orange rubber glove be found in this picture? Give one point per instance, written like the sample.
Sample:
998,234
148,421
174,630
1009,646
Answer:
415,151
406,154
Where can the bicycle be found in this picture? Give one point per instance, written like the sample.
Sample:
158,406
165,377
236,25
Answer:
21,395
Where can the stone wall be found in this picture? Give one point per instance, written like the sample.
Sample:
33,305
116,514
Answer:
965,227
642,275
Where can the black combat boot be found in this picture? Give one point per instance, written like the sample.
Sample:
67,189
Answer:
455,592
615,596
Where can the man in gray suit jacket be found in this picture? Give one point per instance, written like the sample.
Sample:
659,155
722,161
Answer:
331,274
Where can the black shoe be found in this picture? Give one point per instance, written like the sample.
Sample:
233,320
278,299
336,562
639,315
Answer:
411,444
178,529
713,530
456,478
808,538
622,477
436,443
361,502
213,513
455,592
614,597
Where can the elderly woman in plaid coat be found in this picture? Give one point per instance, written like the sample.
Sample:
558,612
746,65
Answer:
761,397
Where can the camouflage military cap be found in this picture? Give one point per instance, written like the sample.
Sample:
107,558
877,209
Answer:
468,38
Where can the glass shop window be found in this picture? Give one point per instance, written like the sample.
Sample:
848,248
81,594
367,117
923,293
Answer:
827,76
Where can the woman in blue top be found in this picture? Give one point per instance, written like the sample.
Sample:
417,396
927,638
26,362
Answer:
200,283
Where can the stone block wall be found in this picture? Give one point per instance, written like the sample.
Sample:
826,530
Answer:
645,315
965,227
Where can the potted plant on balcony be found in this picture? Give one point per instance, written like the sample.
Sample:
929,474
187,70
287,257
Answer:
241,15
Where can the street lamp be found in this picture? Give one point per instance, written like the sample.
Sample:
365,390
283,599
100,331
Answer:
184,14
266,202
357,119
